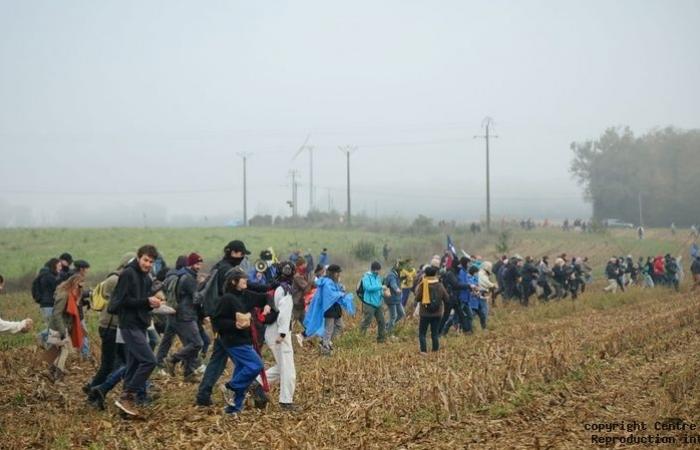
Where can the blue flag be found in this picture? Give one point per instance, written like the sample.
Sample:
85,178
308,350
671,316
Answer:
327,294
451,247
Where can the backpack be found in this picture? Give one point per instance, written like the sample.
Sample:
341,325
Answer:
434,305
170,286
97,298
36,288
360,290
207,296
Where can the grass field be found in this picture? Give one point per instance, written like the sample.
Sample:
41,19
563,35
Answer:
534,380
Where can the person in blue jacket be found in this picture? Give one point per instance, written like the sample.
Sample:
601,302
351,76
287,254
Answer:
373,301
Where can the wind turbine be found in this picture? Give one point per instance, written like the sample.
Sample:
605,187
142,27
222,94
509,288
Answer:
310,148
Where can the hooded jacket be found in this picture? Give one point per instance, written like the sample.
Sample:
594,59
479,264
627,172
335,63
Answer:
47,287
372,284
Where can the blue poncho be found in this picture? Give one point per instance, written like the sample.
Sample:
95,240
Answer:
328,293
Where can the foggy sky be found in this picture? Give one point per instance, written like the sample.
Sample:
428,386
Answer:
125,105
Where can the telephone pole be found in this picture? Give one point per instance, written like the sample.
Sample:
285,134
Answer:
293,202
486,123
348,150
641,222
245,156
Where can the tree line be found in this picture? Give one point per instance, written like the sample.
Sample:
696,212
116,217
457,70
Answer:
659,170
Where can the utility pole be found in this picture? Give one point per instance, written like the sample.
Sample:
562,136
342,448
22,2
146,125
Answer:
310,148
486,123
293,203
348,150
245,156
641,222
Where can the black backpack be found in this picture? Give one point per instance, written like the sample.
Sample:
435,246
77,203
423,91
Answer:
36,288
360,290
434,305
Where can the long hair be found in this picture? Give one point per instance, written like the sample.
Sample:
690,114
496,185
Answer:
70,284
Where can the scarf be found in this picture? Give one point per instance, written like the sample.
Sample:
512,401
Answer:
426,282
76,331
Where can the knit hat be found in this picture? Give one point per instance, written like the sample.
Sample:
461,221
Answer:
237,246
193,259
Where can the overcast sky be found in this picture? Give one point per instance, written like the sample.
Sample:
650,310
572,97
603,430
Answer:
148,102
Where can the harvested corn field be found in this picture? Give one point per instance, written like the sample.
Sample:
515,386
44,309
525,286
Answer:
541,377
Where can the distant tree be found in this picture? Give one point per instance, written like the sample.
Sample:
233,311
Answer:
661,167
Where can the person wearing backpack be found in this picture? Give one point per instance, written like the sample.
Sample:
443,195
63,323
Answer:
112,354
234,257
432,296
43,289
169,332
393,301
455,288
372,301
133,301
233,321
186,320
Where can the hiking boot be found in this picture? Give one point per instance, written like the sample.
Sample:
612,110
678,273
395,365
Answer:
127,404
227,393
260,398
96,397
169,366
87,388
289,407
192,378
231,411
204,402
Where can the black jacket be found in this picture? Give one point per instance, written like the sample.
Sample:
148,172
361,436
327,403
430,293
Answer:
186,287
611,271
224,320
453,285
47,286
131,293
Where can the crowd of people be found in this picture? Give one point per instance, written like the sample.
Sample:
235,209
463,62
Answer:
144,305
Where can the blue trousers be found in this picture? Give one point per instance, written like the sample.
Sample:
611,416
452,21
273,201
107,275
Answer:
248,366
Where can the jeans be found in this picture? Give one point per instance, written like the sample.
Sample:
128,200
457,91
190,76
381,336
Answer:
396,313
247,367
167,340
140,360
456,305
46,313
332,328
188,332
370,312
405,293
152,338
465,322
206,340
434,323
482,311
85,349
216,366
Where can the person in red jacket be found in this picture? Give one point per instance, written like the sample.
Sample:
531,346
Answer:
659,270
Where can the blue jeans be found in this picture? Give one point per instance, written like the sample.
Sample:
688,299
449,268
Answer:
482,311
405,293
216,366
396,313
248,366
85,350
46,313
